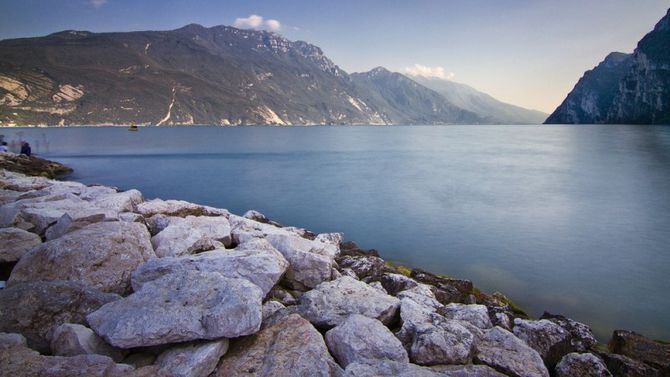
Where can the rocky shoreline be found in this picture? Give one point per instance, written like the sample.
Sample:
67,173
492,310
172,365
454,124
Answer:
101,282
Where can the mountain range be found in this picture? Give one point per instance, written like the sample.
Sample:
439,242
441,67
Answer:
218,75
624,88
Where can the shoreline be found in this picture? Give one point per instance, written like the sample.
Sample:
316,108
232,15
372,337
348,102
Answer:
309,268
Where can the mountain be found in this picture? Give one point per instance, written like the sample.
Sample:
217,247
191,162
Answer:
218,75
404,101
482,104
591,98
625,89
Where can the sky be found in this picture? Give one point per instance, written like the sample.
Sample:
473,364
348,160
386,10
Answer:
526,52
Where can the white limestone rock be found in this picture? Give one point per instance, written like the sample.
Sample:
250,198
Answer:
477,315
185,236
501,350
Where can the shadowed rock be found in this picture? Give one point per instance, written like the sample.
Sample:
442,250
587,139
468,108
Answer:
15,242
71,339
195,359
636,346
501,350
581,365
550,340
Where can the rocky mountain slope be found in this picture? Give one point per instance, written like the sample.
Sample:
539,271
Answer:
405,101
197,75
482,104
632,89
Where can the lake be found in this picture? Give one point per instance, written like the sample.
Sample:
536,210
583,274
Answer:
568,219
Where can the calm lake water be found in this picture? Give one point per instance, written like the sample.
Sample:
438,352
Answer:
568,219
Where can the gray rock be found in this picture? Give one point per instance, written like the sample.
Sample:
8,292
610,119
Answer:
289,347
158,222
15,242
178,208
501,350
126,201
366,268
282,295
71,339
422,294
196,359
270,308
623,366
184,236
256,261
360,338
180,307
550,340
469,371
101,255
377,285
432,339
65,224
12,339
36,309
24,362
477,315
638,347
582,338
389,369
581,365
395,283
330,303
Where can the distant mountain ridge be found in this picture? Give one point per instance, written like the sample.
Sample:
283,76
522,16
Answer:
624,88
199,75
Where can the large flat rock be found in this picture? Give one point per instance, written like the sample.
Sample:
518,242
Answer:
180,307
36,309
101,255
184,236
256,261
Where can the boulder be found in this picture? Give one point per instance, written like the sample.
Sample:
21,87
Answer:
502,351
622,366
36,309
185,236
388,368
8,196
581,337
581,365
195,359
256,261
270,308
310,261
360,338
421,294
66,224
395,283
24,362
366,268
22,183
12,339
101,255
447,290
289,347
330,303
469,371
282,295
550,340
180,307
431,339
477,315
15,242
637,347
71,339
126,201
177,208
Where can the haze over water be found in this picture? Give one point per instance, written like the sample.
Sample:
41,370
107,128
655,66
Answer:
569,219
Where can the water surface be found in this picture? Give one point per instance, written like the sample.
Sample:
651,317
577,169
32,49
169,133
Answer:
568,219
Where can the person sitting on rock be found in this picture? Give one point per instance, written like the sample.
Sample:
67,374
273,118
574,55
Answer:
25,148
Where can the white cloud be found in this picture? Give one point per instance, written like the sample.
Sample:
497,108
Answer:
425,71
256,22
97,3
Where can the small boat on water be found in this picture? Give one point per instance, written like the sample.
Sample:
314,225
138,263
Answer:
133,127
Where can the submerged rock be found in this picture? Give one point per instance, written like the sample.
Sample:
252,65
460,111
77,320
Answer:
289,347
256,261
184,236
36,309
71,339
101,255
501,350
15,242
181,307
330,303
195,359
360,338
581,365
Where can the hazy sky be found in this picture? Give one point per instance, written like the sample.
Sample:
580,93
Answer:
526,52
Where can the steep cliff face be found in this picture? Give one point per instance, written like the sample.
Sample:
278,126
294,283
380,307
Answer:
644,93
631,89
591,98
218,75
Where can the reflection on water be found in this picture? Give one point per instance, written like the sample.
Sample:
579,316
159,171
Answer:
568,219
